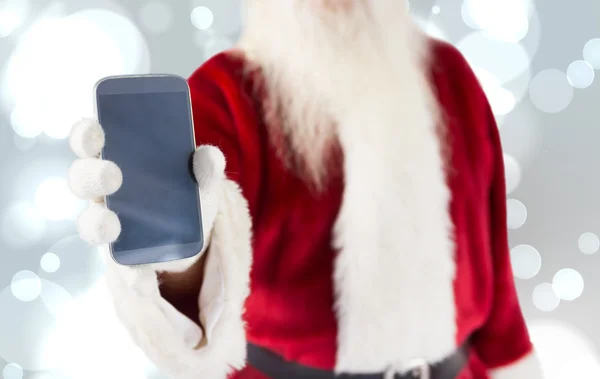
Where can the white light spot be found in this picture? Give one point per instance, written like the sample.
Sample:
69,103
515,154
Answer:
591,53
588,243
55,201
12,371
73,346
12,15
156,17
512,173
506,20
24,123
26,286
50,262
580,74
202,17
544,297
550,91
502,101
564,351
215,46
567,284
502,60
516,213
435,9
51,74
525,261
22,225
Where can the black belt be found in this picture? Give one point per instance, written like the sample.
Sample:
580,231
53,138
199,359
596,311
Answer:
276,367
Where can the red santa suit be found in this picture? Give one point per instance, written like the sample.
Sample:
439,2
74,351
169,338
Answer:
403,255
331,309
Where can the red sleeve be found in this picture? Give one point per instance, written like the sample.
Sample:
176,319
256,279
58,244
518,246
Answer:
503,342
504,338
225,117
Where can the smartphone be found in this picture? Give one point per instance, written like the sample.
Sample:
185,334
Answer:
149,132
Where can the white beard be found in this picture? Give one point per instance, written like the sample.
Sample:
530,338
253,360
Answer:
357,75
328,67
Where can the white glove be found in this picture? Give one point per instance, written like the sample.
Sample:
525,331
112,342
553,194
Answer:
91,178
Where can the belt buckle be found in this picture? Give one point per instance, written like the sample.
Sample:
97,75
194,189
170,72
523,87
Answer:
417,369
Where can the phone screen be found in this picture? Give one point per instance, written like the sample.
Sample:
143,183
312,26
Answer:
149,136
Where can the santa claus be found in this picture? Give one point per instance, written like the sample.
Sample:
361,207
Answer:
353,193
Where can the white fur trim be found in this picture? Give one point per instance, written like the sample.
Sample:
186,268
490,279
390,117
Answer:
165,335
528,367
97,225
395,269
92,178
87,138
209,170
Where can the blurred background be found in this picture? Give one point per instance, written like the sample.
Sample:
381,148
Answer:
536,61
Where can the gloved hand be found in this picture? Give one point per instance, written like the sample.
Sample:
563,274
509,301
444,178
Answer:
92,178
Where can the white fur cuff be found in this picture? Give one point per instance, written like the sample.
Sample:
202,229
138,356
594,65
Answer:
169,338
528,367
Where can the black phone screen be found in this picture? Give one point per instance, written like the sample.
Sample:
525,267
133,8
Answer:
149,136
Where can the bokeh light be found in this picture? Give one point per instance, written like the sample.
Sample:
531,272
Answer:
81,265
591,53
512,173
82,48
26,286
501,100
526,261
580,74
24,326
516,213
564,351
12,371
544,297
55,201
504,60
22,225
92,317
202,17
24,123
50,262
588,243
12,15
505,20
550,91
156,16
568,284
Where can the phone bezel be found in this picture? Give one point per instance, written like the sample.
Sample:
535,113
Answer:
152,83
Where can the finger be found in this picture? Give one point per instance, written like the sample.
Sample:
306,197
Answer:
209,167
92,178
87,138
97,225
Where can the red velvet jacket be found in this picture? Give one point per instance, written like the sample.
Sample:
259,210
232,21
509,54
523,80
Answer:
301,301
